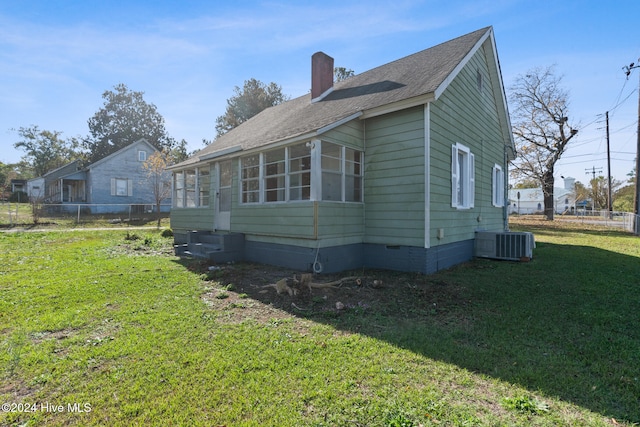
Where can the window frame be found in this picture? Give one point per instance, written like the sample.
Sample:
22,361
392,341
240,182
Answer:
188,190
462,177
282,179
203,186
128,187
346,168
250,177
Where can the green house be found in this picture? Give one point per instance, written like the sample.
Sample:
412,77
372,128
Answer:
396,168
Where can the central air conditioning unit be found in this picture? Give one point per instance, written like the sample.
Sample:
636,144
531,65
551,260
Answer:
507,245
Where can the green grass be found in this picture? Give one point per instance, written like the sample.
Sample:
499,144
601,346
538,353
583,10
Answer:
116,323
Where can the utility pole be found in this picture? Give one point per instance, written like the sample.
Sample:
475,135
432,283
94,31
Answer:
593,171
595,193
609,205
636,202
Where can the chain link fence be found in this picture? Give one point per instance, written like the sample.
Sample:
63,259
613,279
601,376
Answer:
621,220
41,213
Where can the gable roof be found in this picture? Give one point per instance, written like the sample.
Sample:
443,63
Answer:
410,81
141,141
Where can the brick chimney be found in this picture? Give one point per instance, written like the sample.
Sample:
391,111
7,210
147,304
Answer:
321,75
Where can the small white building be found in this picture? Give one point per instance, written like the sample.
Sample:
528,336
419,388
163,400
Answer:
35,188
531,200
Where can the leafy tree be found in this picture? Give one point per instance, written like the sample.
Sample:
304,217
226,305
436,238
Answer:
124,118
527,183
178,152
341,73
7,173
253,98
158,178
541,128
599,191
623,198
46,150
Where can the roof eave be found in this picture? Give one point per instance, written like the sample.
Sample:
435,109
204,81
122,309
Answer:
398,106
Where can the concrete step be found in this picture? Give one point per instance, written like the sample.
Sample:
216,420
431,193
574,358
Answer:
217,247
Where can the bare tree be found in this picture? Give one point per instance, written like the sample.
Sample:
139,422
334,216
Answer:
541,128
158,178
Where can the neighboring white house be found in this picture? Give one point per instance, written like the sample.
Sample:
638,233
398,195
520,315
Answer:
35,188
531,200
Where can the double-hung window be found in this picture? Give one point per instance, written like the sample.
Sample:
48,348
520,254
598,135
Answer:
497,187
462,177
121,187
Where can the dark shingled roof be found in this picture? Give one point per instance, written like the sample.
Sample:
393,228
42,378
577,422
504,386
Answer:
413,76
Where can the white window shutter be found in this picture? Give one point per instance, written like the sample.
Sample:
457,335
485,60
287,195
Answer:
129,187
494,185
472,180
113,186
454,176
500,184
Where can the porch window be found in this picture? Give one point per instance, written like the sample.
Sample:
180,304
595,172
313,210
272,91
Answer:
284,174
462,177
178,185
498,186
274,175
204,187
299,173
250,179
190,188
353,175
279,175
341,173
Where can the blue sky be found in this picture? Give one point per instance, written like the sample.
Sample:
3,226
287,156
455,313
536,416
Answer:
58,57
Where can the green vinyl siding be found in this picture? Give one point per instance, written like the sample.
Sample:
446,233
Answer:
467,115
294,219
350,134
192,218
394,179
340,223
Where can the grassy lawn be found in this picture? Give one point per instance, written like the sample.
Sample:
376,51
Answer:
108,328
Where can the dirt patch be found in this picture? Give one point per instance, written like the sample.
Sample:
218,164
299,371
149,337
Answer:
248,291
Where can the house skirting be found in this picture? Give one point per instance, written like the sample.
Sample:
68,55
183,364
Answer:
362,255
